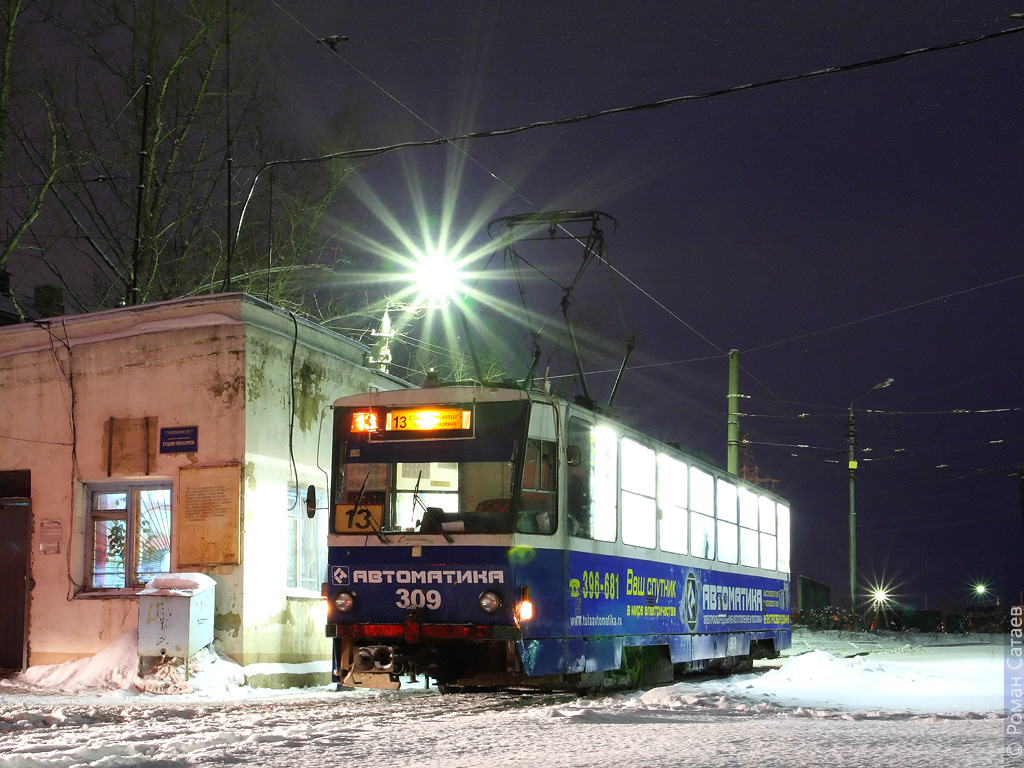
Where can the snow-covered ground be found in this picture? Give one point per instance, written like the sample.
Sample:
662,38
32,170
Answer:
835,698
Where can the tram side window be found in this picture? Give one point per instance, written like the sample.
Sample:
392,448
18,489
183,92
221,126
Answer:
639,510
749,551
766,524
605,482
726,514
579,451
702,514
672,504
783,536
537,510
592,498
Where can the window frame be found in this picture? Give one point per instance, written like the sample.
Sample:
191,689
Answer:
702,513
750,551
301,523
133,577
638,479
673,504
538,495
727,521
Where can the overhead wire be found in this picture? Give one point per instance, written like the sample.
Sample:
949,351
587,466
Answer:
451,140
877,315
441,140
889,59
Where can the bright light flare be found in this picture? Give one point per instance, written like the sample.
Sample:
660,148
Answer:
881,594
437,280
434,253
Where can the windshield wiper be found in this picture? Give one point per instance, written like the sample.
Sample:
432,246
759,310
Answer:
369,518
416,496
427,514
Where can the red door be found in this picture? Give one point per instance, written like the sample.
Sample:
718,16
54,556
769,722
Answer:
15,578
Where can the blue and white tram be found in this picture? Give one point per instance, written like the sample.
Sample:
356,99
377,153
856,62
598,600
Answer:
495,537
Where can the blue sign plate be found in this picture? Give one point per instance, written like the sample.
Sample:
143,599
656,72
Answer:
179,439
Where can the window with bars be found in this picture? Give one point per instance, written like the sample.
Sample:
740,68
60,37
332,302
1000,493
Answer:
129,529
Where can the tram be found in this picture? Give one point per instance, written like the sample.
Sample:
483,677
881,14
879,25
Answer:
494,537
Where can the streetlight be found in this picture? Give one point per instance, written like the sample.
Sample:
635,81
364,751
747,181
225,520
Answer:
852,462
880,601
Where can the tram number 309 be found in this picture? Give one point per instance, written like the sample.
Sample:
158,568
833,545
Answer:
417,598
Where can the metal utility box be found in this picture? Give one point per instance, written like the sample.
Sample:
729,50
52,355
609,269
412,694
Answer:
176,621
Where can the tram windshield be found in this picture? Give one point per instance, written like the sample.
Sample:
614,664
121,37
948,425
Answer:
431,496
477,476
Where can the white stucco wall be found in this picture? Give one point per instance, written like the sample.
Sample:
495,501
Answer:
287,624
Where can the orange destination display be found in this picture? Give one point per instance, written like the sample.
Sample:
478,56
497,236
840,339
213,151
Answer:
428,419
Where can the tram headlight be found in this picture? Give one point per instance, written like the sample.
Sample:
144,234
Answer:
490,602
524,611
344,601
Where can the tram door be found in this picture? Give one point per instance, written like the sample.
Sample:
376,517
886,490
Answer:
15,549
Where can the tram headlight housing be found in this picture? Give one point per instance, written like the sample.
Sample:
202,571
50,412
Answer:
490,602
524,610
344,601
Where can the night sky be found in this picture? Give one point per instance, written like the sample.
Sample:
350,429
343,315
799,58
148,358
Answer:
837,230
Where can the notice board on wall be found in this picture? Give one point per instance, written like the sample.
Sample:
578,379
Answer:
210,515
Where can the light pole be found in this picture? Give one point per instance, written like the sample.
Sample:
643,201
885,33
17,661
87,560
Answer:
852,463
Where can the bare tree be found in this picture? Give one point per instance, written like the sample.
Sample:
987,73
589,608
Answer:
155,132
28,139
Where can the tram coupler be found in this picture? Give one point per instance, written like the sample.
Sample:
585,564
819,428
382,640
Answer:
378,659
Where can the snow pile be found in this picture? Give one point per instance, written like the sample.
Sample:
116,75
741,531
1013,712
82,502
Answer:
113,668
116,668
950,681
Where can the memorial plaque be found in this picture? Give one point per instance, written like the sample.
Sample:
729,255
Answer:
209,515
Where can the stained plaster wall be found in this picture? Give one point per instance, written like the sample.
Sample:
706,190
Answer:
179,363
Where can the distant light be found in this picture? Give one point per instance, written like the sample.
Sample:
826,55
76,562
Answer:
980,589
881,594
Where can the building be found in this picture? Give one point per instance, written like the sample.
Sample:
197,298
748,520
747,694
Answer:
180,437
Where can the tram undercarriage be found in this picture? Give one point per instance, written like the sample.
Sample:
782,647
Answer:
456,667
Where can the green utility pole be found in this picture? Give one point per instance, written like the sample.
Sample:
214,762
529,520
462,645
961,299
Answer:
733,435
